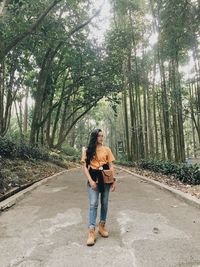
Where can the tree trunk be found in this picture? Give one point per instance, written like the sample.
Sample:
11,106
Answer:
25,123
134,147
124,105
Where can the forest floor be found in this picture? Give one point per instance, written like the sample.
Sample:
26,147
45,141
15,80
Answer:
16,172
169,180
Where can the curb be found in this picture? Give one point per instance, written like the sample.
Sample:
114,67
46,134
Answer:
11,201
180,195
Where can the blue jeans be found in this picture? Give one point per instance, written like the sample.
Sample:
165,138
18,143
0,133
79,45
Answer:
93,204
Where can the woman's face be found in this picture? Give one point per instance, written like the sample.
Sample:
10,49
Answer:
100,138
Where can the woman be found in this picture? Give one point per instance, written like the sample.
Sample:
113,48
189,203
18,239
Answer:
96,156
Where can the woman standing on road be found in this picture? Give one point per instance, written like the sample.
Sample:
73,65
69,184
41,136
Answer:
95,158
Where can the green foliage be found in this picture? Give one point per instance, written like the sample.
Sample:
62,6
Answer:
68,150
22,150
125,163
26,151
189,174
80,73
59,159
7,148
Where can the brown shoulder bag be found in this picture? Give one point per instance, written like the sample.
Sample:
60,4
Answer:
108,177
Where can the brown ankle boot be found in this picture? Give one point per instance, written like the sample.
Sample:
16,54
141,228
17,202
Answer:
91,237
102,230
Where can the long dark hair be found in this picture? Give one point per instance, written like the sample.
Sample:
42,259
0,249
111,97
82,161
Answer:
91,148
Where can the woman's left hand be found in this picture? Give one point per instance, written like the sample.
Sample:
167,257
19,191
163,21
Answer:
113,186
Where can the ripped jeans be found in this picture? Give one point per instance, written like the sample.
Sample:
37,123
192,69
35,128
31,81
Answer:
93,204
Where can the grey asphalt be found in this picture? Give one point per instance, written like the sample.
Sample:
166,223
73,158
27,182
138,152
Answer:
148,227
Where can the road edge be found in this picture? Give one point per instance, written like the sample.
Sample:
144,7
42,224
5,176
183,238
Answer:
11,201
177,193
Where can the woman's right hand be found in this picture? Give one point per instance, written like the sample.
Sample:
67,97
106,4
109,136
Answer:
93,185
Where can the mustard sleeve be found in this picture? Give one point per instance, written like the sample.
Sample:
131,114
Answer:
110,156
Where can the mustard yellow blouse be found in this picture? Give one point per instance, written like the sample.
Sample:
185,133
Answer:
103,155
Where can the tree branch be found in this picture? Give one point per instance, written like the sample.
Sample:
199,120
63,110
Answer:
27,32
3,5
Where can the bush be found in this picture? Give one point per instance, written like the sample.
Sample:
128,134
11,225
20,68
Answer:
165,167
7,148
25,151
123,160
125,163
22,150
70,151
189,174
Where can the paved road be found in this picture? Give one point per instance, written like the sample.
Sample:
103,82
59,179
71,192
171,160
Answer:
148,227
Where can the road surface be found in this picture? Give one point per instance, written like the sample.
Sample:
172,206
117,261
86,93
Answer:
148,227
